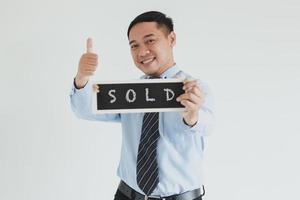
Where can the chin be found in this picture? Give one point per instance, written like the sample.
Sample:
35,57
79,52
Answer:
147,70
151,72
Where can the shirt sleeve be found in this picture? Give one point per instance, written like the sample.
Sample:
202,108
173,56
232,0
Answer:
81,104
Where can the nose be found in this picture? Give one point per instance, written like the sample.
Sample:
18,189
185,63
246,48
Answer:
143,51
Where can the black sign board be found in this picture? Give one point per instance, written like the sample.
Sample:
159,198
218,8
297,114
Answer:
147,95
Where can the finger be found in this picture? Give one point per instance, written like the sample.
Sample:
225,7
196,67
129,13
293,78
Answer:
92,63
190,97
189,106
90,56
96,88
189,84
179,77
90,66
196,90
189,79
89,45
90,71
89,62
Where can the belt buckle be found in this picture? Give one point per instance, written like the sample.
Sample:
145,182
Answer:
154,197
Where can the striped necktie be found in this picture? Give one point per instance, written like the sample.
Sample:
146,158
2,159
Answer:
147,167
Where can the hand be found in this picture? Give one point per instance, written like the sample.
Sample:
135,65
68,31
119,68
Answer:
95,88
87,65
192,100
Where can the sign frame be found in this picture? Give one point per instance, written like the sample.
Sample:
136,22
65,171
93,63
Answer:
94,97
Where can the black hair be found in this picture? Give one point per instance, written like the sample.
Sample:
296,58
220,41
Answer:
153,16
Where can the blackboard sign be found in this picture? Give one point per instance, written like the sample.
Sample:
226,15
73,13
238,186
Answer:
146,95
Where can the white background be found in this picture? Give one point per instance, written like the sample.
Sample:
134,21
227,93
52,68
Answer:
247,51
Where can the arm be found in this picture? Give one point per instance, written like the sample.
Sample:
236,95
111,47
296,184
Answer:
81,94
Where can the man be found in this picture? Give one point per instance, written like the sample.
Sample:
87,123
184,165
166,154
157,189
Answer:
162,152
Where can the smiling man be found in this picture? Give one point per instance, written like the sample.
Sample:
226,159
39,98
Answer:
162,153
151,47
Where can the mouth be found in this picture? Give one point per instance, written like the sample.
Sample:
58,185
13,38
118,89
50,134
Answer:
148,60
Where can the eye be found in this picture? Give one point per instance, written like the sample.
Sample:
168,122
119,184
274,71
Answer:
134,46
150,41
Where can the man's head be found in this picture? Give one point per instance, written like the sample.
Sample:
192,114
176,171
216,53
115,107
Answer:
151,38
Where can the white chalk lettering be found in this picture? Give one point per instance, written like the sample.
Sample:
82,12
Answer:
110,93
168,91
147,95
133,95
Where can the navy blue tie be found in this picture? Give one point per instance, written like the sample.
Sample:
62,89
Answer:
147,167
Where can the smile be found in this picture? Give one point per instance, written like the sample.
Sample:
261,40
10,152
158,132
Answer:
146,61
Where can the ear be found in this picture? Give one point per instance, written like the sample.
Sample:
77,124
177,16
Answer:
172,38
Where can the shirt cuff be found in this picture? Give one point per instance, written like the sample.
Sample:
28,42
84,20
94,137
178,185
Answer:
76,90
74,83
188,124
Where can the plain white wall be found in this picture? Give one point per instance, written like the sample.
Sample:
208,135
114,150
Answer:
247,51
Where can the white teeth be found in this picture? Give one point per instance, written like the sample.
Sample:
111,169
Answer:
147,61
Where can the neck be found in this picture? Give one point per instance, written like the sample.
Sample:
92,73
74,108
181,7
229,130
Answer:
163,69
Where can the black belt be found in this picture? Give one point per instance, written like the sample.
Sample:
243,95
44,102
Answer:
132,194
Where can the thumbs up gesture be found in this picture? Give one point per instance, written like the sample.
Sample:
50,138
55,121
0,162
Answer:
87,65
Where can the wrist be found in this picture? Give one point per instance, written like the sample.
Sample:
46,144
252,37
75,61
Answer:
80,82
190,124
190,120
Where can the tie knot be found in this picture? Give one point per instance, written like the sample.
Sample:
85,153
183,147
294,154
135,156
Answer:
154,77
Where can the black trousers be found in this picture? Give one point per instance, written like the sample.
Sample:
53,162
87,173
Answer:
120,196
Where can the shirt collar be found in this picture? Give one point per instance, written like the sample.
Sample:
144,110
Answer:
170,72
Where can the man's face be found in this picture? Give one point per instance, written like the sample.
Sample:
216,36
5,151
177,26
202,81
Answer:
151,48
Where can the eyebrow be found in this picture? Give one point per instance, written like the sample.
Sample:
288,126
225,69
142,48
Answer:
146,36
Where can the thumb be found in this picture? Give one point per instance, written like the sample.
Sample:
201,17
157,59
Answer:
89,45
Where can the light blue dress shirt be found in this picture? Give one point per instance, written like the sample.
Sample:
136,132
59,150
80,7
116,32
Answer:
180,147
